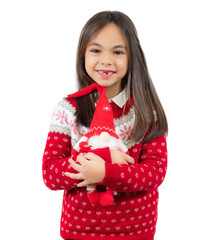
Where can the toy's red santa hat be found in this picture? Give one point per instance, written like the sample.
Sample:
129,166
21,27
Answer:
103,116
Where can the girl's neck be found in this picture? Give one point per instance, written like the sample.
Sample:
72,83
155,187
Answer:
113,91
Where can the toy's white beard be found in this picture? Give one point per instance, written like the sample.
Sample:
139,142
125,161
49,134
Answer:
113,143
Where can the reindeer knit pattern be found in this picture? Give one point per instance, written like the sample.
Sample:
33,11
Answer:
133,215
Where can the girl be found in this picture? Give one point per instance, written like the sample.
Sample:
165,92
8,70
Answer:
109,54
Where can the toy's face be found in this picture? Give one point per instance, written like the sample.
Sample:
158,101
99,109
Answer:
101,141
106,140
105,137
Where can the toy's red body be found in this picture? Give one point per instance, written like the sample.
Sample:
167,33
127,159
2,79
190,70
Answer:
101,134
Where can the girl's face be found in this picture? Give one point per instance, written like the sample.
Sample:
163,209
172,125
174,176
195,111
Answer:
106,59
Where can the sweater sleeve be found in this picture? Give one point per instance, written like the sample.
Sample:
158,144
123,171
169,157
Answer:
148,173
58,150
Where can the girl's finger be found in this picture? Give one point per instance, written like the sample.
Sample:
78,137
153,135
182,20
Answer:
77,176
91,156
81,159
82,184
74,165
129,159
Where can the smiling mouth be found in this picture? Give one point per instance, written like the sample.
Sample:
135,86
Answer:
106,72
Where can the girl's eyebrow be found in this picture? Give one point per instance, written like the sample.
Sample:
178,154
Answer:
99,45
119,46
94,44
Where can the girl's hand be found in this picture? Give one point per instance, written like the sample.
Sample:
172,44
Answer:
91,169
121,158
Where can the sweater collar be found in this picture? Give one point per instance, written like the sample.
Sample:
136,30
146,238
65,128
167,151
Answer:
119,99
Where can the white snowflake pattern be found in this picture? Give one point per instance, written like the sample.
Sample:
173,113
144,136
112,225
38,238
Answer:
62,116
74,127
125,132
106,108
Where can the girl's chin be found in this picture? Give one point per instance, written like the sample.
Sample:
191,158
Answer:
104,83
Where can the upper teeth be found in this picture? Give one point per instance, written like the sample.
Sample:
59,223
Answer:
105,72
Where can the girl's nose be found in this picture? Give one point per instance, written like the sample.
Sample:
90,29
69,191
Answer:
106,60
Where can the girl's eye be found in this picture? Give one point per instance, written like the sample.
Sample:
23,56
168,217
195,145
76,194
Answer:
118,52
95,50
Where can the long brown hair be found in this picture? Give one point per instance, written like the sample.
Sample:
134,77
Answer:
137,81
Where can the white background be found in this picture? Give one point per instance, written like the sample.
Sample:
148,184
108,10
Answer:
38,41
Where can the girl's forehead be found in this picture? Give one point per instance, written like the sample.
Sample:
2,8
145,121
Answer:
108,35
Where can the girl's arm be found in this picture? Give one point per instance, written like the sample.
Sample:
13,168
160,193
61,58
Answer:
58,150
147,174
55,162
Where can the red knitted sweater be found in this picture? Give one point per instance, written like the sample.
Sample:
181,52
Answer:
134,212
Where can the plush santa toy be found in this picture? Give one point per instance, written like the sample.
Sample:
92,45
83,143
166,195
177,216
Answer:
100,135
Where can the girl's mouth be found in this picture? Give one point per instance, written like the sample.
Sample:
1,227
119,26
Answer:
105,73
